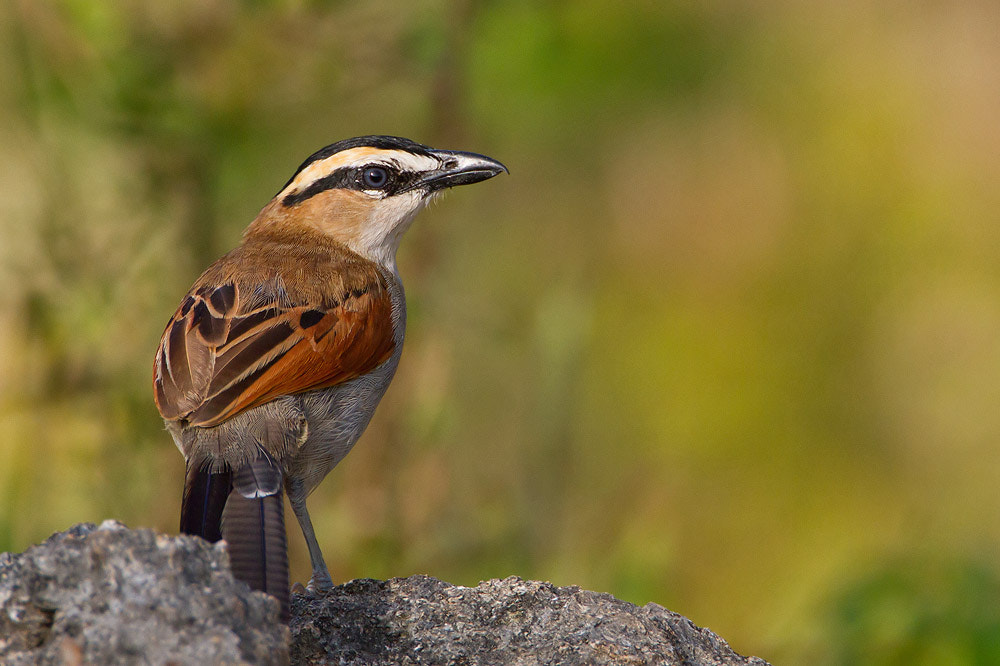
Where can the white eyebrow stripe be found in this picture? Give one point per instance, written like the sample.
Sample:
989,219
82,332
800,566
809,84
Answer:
356,157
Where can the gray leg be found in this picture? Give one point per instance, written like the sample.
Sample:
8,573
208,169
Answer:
320,574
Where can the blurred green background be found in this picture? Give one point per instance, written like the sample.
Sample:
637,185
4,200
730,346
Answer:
726,339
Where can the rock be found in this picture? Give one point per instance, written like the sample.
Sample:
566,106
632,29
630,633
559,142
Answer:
110,595
422,620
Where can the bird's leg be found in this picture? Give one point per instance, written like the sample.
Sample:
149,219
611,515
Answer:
320,579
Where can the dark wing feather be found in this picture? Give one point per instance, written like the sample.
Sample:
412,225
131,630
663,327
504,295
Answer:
217,359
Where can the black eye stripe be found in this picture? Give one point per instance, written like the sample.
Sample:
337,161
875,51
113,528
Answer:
353,178
339,179
381,142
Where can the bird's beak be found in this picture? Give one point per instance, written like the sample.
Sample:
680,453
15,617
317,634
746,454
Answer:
459,168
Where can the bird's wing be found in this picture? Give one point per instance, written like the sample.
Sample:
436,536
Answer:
225,351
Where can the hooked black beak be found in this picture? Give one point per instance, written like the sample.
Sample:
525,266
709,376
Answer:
460,168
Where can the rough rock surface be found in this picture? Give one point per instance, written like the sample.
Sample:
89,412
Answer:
422,620
110,595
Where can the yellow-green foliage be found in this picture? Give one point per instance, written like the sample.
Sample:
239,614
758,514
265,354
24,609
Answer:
727,338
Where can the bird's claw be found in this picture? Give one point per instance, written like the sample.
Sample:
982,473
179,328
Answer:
320,583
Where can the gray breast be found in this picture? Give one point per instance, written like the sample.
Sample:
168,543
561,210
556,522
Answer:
336,416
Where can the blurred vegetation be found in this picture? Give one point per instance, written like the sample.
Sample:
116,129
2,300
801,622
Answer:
726,339
917,613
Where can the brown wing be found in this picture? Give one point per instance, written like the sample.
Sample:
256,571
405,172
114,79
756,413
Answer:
224,352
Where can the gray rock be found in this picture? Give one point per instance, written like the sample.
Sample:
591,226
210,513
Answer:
422,620
110,595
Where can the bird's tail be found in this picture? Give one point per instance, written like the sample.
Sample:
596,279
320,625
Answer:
244,507
204,500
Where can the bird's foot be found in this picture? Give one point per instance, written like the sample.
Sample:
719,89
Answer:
320,582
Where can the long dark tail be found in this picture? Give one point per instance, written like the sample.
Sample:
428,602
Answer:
244,507
204,500
254,525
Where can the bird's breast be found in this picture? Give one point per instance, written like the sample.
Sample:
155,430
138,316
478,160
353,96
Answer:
337,416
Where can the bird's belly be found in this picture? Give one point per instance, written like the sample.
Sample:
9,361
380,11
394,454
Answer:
335,419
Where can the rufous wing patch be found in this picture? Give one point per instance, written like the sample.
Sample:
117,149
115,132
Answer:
216,360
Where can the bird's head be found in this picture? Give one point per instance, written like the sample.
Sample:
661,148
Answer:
365,192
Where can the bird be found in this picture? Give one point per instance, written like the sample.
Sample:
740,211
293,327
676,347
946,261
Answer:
273,364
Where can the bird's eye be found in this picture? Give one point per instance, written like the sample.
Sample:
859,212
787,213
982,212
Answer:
374,178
